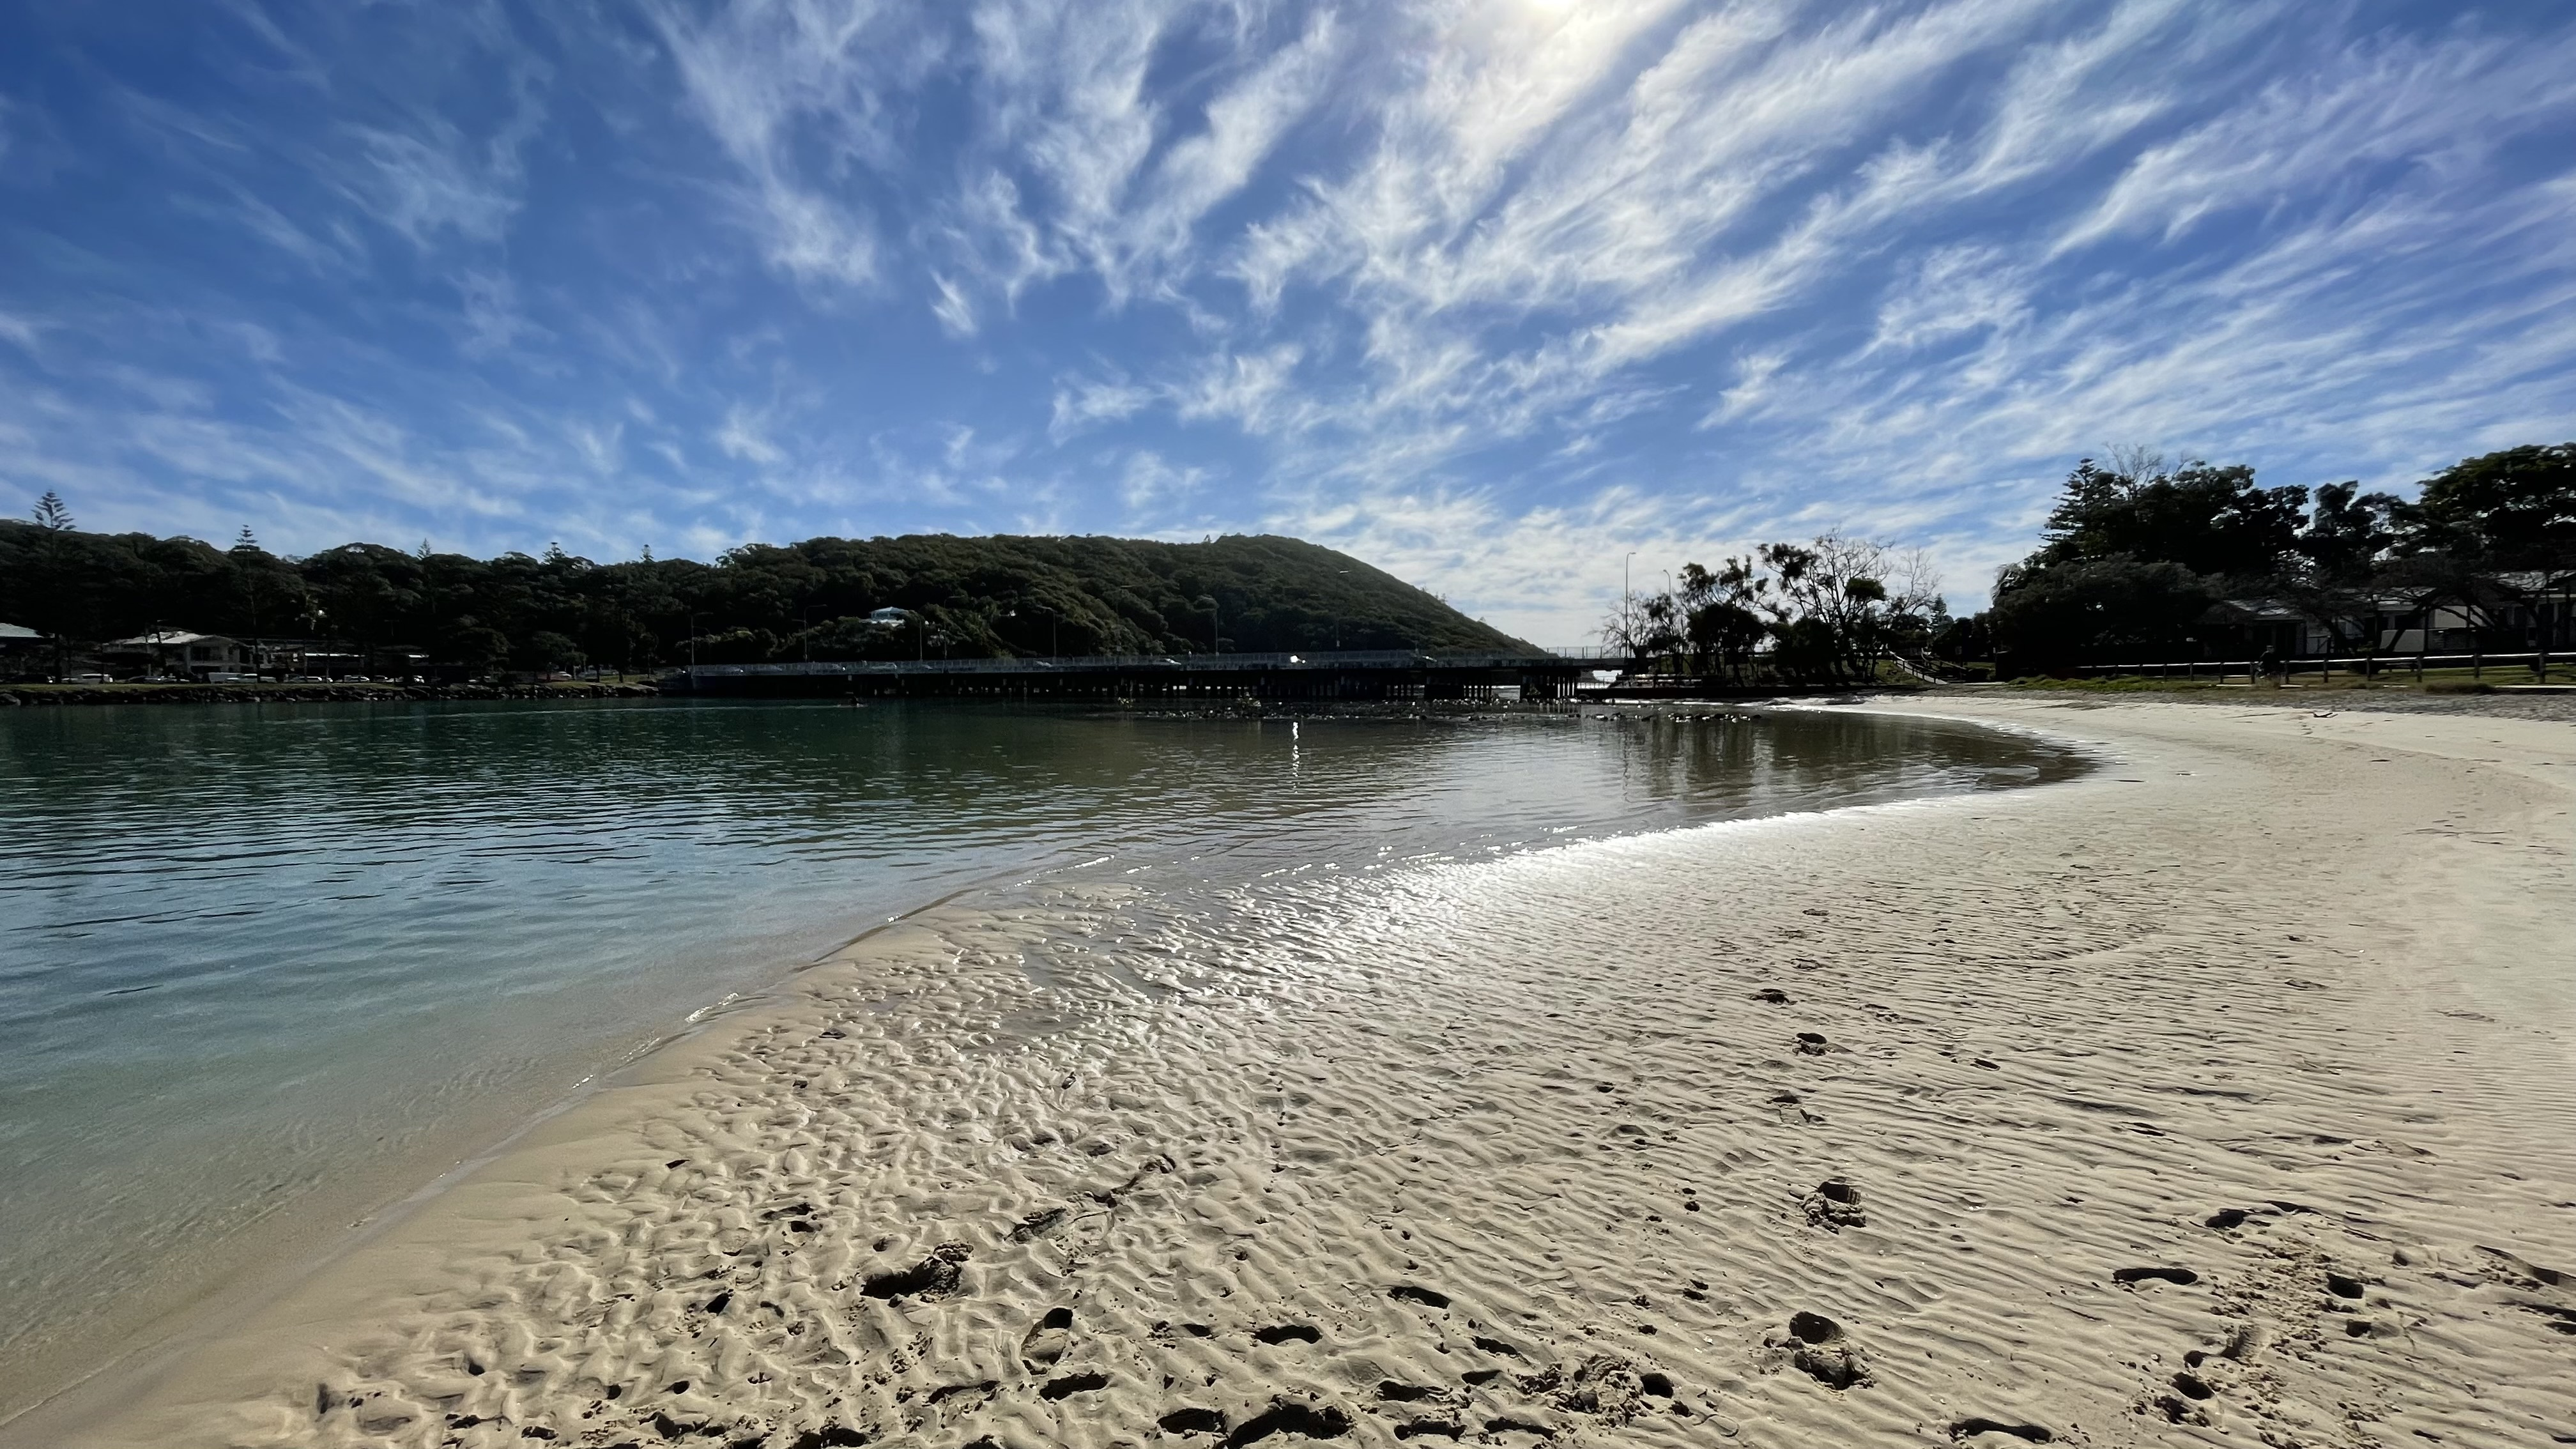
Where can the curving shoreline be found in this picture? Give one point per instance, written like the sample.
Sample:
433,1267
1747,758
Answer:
1528,1141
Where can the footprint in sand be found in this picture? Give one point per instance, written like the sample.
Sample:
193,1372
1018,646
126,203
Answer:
1287,1416
1834,1206
1288,1333
1049,1340
1192,1421
1396,1393
1772,996
1813,1044
1970,1428
2182,1277
932,1277
1818,1347
944,1395
1039,1224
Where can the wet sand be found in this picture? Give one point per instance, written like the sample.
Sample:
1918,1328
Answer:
2224,1096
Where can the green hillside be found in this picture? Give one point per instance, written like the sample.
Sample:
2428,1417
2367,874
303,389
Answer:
962,597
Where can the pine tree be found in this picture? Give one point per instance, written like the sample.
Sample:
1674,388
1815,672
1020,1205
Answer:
247,541
50,513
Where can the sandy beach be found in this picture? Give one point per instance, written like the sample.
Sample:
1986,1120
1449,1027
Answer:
2225,1096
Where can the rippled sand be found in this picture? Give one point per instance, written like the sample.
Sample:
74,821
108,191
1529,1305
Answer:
2223,1097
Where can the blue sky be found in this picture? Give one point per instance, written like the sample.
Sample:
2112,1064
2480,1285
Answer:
1489,292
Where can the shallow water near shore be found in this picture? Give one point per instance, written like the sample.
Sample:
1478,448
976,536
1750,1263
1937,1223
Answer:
264,968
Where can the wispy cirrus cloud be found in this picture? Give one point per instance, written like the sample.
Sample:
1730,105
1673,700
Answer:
1493,291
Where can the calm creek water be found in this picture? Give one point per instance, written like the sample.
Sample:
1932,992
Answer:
263,968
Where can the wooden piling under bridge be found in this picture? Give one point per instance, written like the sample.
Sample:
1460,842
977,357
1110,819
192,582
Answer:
1354,674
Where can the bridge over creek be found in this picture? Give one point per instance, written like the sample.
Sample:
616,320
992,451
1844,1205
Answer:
1355,674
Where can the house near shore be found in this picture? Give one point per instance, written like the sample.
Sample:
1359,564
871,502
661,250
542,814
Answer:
178,654
2523,610
220,658
21,648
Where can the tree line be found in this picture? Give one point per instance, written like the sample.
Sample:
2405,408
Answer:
1832,610
824,599
2145,561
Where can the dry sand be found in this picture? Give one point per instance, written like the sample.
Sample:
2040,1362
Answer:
2223,1097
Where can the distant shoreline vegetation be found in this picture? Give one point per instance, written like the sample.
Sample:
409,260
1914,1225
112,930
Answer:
2146,562
2142,561
122,603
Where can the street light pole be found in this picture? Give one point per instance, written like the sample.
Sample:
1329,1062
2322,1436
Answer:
1627,603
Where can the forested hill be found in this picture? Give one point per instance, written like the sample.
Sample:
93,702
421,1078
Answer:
965,597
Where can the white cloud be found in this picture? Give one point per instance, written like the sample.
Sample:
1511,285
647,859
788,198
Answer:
1079,405
1490,290
423,185
2433,108
774,80
493,320
1148,483
745,436
1250,390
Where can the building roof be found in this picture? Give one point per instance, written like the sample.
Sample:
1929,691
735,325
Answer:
168,639
18,631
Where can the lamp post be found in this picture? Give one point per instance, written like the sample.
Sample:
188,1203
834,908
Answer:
1627,602
693,650
1668,597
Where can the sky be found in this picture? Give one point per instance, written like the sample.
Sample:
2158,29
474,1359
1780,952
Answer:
1507,297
